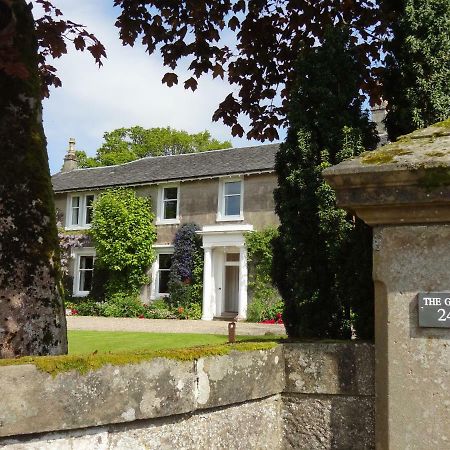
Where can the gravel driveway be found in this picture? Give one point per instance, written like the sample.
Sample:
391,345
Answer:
169,326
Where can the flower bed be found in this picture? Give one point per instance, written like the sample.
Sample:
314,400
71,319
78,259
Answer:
278,319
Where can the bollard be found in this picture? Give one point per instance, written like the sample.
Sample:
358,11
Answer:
232,332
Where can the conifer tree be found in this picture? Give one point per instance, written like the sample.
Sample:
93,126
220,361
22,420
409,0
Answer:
417,77
317,249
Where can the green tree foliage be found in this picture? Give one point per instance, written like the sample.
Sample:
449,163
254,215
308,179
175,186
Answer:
128,144
265,298
124,233
269,34
417,79
317,247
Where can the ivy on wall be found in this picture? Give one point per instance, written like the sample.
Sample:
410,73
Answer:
124,232
266,303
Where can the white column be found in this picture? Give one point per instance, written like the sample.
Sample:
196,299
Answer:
207,285
243,279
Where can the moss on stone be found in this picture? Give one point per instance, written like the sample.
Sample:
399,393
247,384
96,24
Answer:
435,178
384,155
443,124
83,364
437,154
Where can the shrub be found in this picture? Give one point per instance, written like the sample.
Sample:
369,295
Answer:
159,309
186,273
259,310
87,307
192,311
122,305
265,296
124,234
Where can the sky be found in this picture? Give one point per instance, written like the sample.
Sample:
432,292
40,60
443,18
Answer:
124,92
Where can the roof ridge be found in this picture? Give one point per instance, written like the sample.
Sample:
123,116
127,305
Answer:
168,156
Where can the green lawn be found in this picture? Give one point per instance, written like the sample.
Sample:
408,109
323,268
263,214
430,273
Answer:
111,341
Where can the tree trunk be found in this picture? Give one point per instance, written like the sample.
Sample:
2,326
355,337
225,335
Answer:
32,320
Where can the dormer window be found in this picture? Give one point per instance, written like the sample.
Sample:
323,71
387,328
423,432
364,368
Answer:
168,205
80,211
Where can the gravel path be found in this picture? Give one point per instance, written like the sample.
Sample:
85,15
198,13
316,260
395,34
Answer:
169,326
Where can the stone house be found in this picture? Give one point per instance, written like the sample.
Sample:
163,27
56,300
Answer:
226,192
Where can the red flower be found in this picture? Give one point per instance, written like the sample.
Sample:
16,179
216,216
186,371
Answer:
180,310
279,315
74,312
141,316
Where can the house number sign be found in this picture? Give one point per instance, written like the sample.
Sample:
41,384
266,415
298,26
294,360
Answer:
434,309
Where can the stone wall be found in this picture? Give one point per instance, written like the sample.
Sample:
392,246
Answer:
328,400
303,396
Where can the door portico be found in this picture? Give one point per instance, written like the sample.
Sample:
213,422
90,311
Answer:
225,270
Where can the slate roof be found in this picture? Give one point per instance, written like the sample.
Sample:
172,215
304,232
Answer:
149,170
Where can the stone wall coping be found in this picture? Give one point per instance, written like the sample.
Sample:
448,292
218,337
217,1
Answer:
34,401
407,181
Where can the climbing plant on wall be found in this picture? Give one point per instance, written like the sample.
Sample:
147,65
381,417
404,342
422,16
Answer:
124,232
266,302
186,273
67,242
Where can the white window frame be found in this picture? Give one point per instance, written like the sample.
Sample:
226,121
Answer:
154,291
77,254
221,217
160,220
82,225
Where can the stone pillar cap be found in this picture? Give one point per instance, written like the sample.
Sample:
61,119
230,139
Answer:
404,182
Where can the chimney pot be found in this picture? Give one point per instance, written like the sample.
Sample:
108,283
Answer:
70,160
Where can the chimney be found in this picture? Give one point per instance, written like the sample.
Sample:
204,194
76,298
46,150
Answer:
70,160
378,115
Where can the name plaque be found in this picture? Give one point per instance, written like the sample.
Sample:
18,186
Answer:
434,309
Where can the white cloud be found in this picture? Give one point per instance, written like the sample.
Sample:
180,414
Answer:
126,91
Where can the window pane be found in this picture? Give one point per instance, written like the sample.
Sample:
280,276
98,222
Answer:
233,188
86,262
86,277
232,256
89,210
89,200
170,193
75,202
164,281
170,209
75,216
165,261
233,205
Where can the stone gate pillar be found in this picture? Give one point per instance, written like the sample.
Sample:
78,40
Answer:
403,191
